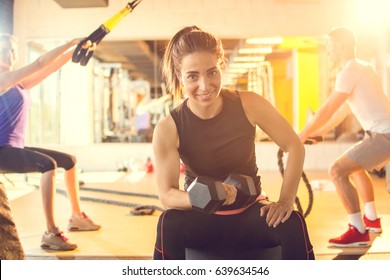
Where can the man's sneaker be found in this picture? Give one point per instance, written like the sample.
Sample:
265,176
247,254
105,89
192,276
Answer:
352,238
373,226
56,241
82,224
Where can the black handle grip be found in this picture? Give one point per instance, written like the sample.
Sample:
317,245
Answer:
83,55
311,140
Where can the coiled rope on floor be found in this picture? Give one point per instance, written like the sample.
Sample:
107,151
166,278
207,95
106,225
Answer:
307,183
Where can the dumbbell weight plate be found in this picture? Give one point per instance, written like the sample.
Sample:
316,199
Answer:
206,194
247,192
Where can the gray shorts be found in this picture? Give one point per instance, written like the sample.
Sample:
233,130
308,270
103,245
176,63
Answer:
372,151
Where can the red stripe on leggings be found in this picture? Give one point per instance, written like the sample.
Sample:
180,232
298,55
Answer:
161,235
304,235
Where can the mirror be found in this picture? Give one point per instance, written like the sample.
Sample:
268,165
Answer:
130,96
124,96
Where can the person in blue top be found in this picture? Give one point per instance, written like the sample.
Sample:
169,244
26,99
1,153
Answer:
15,157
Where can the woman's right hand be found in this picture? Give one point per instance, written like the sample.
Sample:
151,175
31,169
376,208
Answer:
231,194
87,44
91,46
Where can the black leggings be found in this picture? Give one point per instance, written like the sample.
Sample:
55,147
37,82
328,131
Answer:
28,159
177,230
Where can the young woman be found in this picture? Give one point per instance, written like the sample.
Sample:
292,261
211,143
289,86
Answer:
15,157
212,131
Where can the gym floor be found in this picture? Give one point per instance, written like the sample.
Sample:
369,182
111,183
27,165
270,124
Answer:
124,236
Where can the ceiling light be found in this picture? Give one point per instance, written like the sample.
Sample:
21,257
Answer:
237,71
82,3
255,50
248,58
265,41
244,65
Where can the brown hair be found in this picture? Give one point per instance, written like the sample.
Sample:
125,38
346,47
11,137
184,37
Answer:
187,41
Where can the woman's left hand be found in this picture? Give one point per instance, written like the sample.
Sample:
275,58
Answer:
276,212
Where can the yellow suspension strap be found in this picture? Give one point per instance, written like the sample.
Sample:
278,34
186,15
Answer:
83,55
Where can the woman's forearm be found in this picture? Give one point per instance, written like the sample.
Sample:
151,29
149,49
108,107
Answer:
48,58
40,75
176,199
292,174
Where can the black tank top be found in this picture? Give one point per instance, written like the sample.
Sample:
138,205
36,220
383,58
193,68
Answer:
218,146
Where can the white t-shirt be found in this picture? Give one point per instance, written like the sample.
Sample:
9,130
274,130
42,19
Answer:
367,100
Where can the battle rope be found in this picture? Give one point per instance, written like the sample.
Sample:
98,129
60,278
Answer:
137,209
307,183
119,192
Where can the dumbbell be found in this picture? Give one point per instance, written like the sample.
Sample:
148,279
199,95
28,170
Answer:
207,194
246,190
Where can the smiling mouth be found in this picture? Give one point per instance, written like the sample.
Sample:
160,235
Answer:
204,95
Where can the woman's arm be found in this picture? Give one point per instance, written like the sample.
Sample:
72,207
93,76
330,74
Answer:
167,166
38,76
33,73
260,112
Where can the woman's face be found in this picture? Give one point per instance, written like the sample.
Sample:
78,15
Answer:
201,77
7,53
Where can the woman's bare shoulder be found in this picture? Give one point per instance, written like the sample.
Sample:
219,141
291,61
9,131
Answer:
165,130
166,123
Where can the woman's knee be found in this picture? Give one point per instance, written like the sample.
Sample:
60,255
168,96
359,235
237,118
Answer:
48,165
69,162
294,229
169,227
295,224
169,220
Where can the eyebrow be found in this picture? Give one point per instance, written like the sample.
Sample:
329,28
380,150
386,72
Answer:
208,70
192,72
212,69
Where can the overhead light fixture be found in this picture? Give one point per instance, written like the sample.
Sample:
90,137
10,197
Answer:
82,3
237,71
249,58
265,41
264,50
246,65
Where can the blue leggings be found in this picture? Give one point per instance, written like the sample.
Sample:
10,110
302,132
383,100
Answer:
177,230
28,159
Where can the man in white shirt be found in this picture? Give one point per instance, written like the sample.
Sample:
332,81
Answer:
359,88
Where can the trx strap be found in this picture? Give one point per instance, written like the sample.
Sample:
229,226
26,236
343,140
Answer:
83,55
